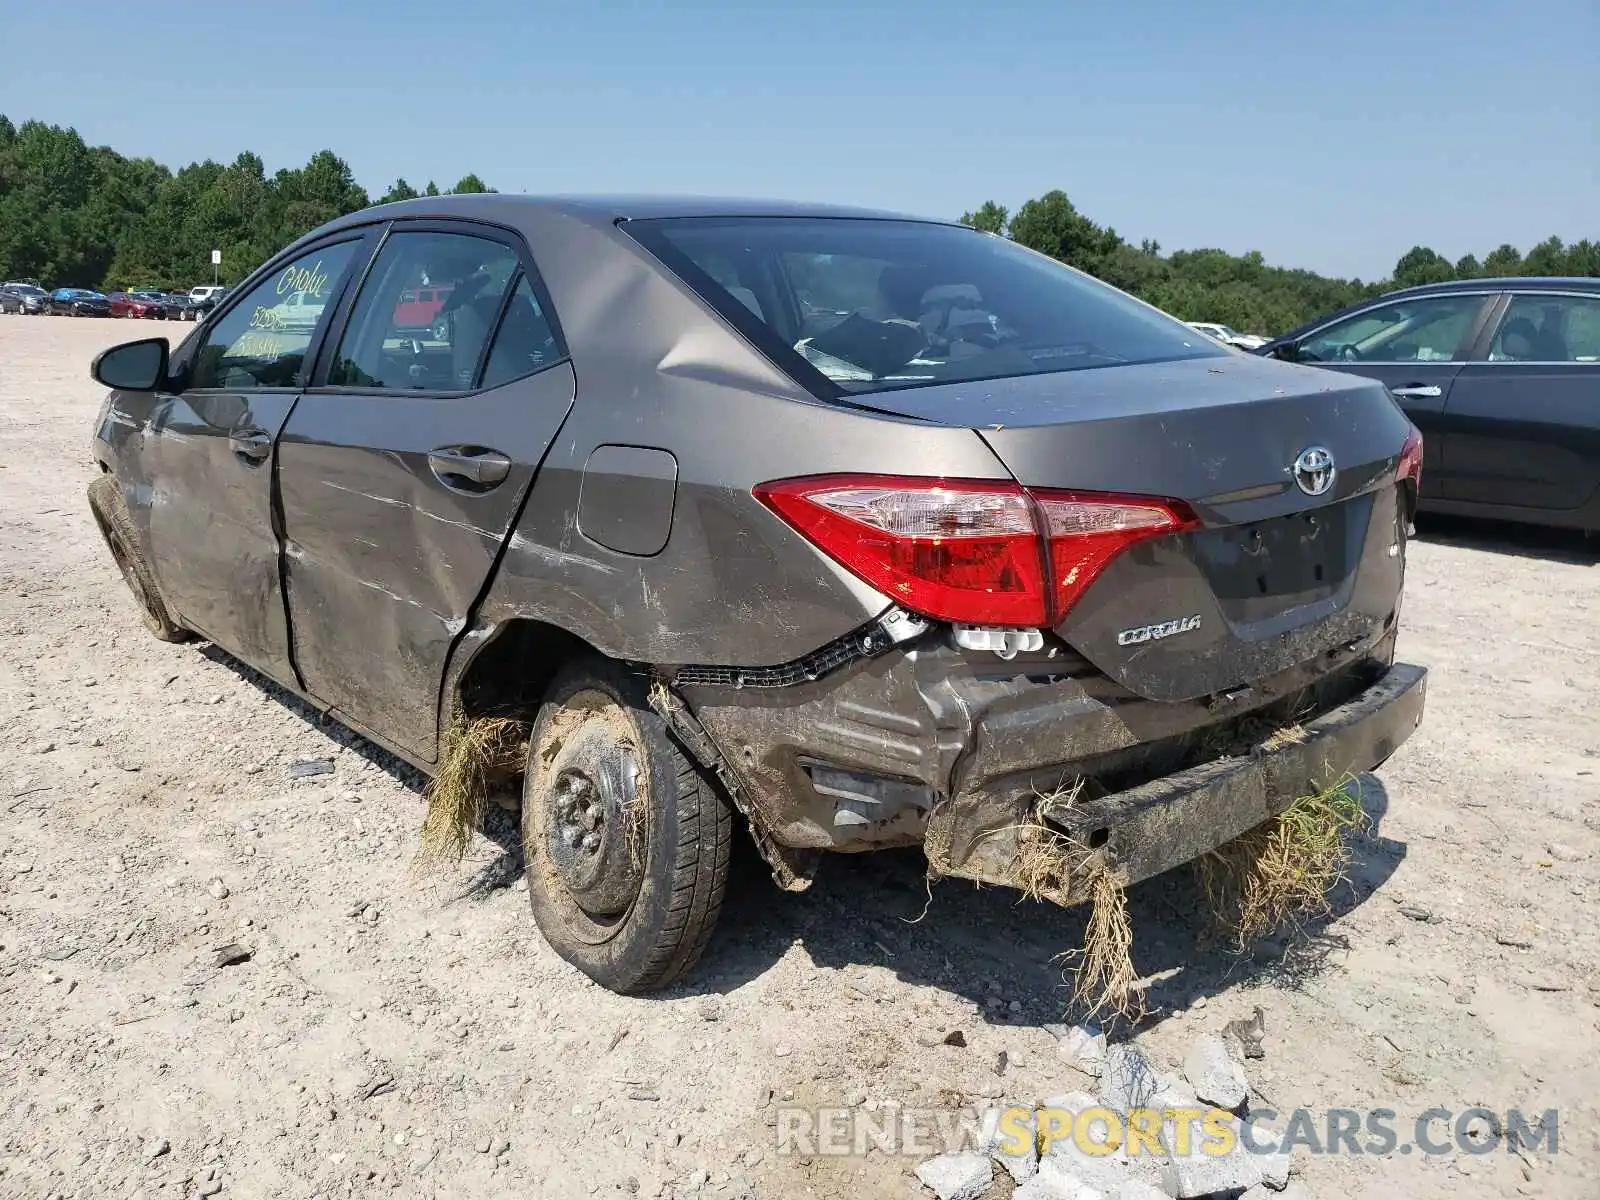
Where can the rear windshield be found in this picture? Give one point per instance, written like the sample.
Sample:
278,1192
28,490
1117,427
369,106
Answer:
862,305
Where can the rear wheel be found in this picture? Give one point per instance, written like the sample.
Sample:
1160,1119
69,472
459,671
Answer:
626,841
111,515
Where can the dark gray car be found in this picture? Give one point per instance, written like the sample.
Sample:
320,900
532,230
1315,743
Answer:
1502,376
879,532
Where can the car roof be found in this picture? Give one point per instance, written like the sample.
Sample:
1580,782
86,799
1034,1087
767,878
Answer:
609,209
1501,283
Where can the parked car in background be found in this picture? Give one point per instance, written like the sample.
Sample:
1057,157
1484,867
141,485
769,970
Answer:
164,305
149,305
998,549
23,299
1229,336
202,300
78,302
1503,378
177,305
419,307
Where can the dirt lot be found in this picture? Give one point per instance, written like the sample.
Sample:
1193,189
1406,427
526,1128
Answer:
390,1038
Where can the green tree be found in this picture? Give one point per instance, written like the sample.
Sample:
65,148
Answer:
990,217
1053,226
470,184
400,190
1503,260
1467,267
1549,257
1420,265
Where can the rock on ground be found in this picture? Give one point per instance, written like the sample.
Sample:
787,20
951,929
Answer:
957,1176
1213,1074
993,1140
1127,1080
1199,1173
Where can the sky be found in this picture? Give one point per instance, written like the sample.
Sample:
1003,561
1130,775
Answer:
1332,136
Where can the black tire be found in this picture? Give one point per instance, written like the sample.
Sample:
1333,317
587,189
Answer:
111,515
631,908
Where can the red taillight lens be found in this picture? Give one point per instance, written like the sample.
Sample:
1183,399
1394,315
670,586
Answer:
1410,466
952,549
1087,531
966,550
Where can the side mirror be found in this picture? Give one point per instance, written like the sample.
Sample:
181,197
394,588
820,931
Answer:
1288,352
133,366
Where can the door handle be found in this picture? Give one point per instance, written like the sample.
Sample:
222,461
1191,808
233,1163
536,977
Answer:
1418,392
252,445
482,467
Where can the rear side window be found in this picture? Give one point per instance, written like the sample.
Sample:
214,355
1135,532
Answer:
397,346
861,305
262,340
524,343
1544,328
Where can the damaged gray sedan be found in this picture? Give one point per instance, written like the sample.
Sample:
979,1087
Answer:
855,530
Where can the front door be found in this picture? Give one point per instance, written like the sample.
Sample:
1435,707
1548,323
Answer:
1415,346
1525,421
402,472
209,460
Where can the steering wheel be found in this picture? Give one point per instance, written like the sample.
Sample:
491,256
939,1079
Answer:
1348,353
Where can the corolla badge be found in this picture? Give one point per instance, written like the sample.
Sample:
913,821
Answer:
1154,633
1313,471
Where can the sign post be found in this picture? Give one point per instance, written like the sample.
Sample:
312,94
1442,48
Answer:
216,266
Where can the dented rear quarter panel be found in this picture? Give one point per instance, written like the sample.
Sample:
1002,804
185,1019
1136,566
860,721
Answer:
656,369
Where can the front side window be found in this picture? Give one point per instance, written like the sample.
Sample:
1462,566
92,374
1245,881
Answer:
871,305
387,344
1427,329
262,340
1539,328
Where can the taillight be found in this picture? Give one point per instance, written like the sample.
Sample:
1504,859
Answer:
969,551
1410,466
953,549
1087,531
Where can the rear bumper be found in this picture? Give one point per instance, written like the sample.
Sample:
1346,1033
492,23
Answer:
925,744
1172,820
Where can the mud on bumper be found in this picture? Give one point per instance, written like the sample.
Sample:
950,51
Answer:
924,744
1169,821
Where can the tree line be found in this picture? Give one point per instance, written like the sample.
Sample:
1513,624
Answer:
74,215
1241,290
86,216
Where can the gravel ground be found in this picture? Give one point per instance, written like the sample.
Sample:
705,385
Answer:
386,1036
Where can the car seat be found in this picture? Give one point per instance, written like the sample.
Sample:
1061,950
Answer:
1550,345
1518,340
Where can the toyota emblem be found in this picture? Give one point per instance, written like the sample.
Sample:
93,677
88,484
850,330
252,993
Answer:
1314,471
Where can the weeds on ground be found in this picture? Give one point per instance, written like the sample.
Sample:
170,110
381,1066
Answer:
480,753
1104,982
1281,872
1052,865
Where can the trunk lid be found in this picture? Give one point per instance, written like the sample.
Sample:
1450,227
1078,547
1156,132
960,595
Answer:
1274,576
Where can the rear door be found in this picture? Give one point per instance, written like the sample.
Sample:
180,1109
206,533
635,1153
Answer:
1525,416
402,471
1417,346
208,455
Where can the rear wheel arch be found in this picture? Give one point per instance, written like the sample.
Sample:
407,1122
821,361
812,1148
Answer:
509,669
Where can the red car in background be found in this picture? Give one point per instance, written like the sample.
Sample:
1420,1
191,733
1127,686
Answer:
419,307
136,304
